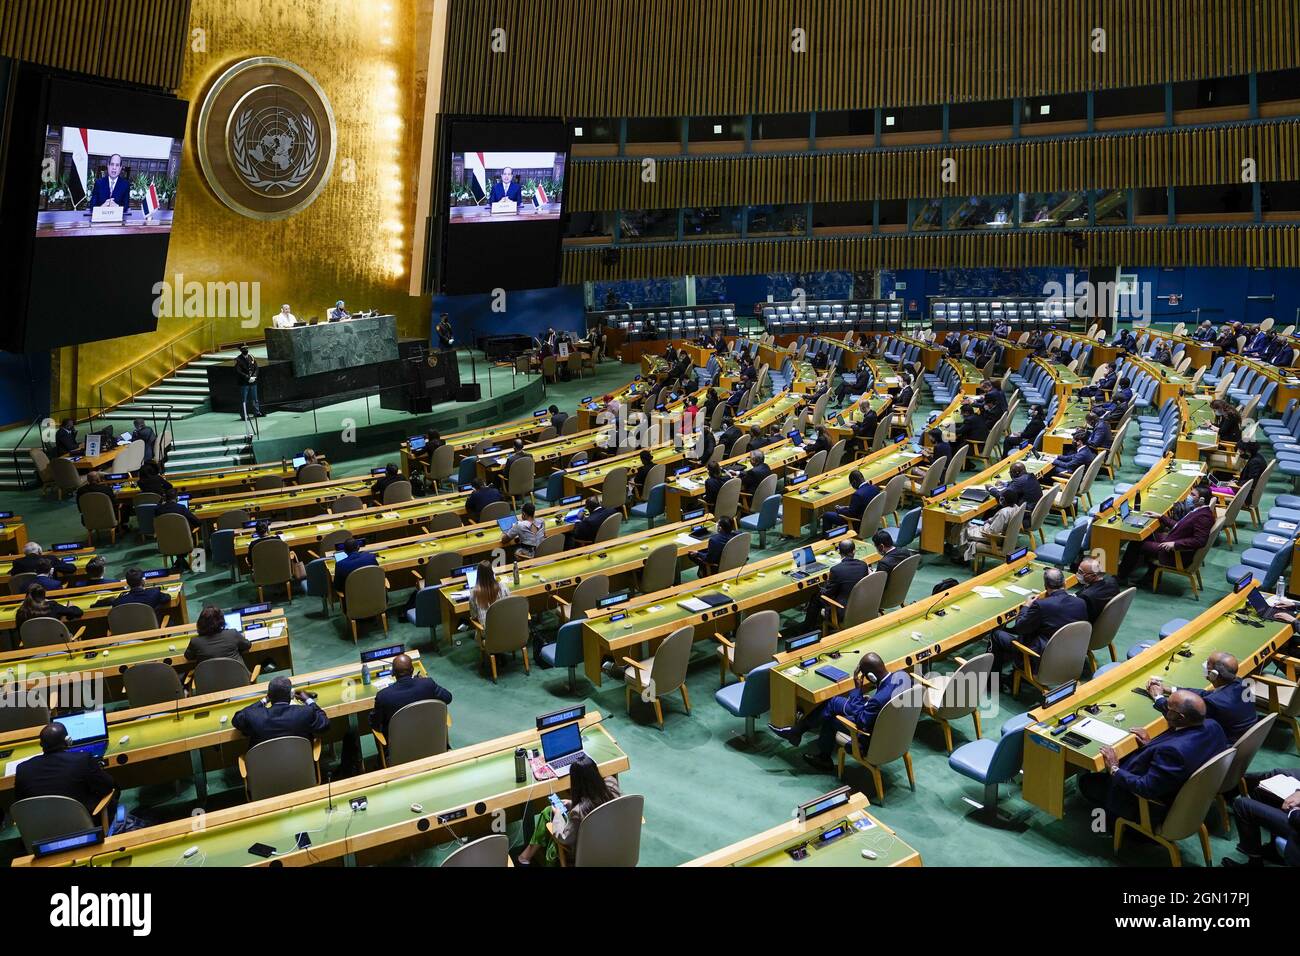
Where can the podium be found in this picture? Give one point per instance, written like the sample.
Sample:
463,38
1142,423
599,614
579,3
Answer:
330,346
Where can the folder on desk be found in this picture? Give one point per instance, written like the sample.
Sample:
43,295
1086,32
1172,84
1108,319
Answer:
1102,733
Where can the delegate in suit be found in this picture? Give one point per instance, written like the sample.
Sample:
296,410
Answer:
406,688
502,191
1228,702
112,189
277,716
1186,536
1039,619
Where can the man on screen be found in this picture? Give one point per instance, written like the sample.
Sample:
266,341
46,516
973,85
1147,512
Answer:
112,190
506,187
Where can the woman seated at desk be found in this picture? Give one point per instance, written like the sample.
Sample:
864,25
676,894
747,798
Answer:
587,791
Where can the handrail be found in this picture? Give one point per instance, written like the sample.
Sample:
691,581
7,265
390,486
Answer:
207,339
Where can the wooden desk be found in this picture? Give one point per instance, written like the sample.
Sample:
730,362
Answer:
476,782
589,479
807,501
1196,438
13,535
1050,759
201,483
1158,491
686,490
966,617
652,617
260,504
861,831
943,512
1288,383
86,598
87,463
79,556
841,427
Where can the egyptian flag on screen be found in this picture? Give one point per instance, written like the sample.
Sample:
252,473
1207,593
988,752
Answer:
539,197
80,165
150,200
477,175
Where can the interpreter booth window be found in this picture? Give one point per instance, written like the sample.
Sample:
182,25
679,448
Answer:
1278,93
893,215
1053,209
843,129
838,217
654,135
971,122
1150,205
590,225
595,137
1129,108
1280,202
713,222
647,225
925,215
1049,115
1221,203
787,220
1110,207
724,134
780,132
911,125
982,213
1212,101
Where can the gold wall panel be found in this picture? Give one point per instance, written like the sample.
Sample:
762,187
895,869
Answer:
354,240
1200,246
1196,157
612,58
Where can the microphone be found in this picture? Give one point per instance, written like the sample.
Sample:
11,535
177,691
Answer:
1170,662
935,604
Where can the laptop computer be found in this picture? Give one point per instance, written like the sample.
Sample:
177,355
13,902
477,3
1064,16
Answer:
299,461
1260,603
506,523
87,732
805,563
234,621
1131,518
561,747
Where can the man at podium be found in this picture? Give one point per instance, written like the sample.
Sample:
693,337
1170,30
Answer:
112,189
506,187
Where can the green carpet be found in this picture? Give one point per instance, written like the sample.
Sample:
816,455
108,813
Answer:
704,786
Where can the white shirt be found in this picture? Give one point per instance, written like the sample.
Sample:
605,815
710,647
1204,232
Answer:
284,320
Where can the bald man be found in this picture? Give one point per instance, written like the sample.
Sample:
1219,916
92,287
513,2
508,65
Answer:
60,772
1160,766
406,688
874,685
1228,702
1096,587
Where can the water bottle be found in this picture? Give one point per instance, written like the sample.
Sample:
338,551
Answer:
1281,588
365,675
521,765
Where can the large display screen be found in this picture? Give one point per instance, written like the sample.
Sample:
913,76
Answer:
504,215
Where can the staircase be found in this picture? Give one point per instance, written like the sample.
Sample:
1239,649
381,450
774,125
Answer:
196,454
16,478
185,390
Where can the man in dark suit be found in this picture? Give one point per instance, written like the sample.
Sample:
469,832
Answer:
1039,619
708,560
1104,383
1081,457
1158,769
142,432
995,400
112,189
406,688
1228,702
713,483
276,715
95,483
973,427
1099,433
863,492
171,505
874,686
753,475
1260,812
1096,587
838,584
482,496
890,556
584,531
354,558
505,187
939,448
65,439
1025,485
1120,399
1186,536
730,435
137,593
558,418
391,474
34,556
59,772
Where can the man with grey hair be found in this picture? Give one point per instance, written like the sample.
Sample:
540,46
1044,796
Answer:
1228,702
1096,587
33,558
758,470
284,319
283,712
1039,619
1160,766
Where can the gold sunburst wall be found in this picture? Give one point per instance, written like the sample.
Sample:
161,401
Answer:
354,241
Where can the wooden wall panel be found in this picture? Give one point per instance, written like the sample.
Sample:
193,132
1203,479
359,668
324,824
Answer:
611,58
137,41
1190,157
1198,246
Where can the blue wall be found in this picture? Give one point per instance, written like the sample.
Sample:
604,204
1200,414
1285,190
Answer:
1221,293
24,387
527,312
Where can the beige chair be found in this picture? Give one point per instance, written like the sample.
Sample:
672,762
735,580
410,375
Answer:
1191,568
492,850
98,514
570,425
344,504
660,569
1187,812
609,529
442,465
43,818
330,542
948,697
660,675
930,478
440,566
734,554
129,459
863,604
134,618
1039,515
279,766
889,740
46,632
551,545
66,477
1278,696
23,714
900,581
1107,625
728,501
268,483
956,465
872,516
44,471
1062,658
506,632
815,465
494,511
586,595
397,492
1230,512
1066,505
610,835
272,565
754,643
1257,492
442,521
417,730
19,583
999,548
222,673
835,457
892,497
365,595
152,682
1089,476
762,491
519,481
231,520
1247,745
613,493
881,435
311,473
173,536
655,476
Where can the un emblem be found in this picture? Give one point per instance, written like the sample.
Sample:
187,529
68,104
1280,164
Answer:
266,138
